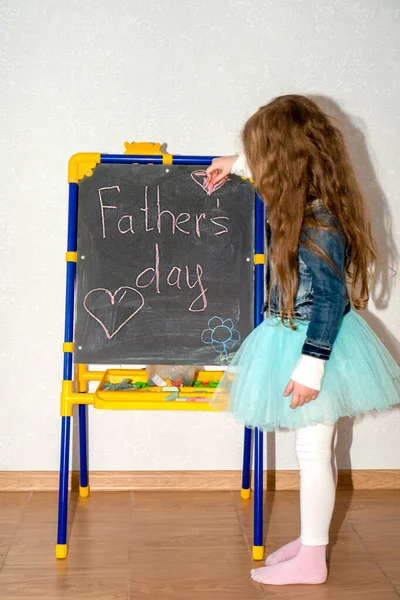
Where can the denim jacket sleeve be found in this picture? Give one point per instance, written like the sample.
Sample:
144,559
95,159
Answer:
330,296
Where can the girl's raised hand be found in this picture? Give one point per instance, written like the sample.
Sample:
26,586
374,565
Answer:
223,166
301,393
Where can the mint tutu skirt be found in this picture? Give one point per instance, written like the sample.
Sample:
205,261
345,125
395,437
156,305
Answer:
360,376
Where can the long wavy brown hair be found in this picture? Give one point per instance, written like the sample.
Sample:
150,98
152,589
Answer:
296,155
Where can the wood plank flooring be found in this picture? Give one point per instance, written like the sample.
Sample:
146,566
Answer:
189,546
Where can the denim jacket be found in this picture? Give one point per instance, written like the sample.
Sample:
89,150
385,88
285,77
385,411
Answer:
322,297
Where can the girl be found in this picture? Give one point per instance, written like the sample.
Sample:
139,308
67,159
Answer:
312,346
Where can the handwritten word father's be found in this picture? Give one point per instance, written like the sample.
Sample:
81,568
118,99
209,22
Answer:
165,219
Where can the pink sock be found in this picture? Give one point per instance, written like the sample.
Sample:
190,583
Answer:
308,566
285,553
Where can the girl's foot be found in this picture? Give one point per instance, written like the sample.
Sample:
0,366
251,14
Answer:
308,567
287,552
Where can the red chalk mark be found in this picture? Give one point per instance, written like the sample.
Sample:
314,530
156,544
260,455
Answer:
130,226
202,295
112,297
146,209
163,212
178,221
177,281
103,206
213,176
122,297
201,178
156,271
224,229
198,219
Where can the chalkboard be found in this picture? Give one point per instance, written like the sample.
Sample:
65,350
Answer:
165,266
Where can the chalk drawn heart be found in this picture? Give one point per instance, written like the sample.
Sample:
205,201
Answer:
98,292
201,178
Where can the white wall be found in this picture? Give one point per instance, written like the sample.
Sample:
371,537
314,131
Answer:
90,75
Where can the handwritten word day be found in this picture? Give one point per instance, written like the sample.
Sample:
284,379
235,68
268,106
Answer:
152,217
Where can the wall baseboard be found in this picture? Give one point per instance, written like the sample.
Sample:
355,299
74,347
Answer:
46,481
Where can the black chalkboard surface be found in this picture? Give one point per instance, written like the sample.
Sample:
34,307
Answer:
165,268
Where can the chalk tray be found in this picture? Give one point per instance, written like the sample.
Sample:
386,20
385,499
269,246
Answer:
154,398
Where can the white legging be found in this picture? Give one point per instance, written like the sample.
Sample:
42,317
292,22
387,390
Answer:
318,477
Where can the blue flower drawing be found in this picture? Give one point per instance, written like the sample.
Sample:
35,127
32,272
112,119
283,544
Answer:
222,335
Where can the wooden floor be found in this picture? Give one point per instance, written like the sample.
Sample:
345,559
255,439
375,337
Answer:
191,546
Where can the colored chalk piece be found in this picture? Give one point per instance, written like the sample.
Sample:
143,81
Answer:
198,399
124,385
158,381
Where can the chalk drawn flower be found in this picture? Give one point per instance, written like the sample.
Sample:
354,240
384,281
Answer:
221,335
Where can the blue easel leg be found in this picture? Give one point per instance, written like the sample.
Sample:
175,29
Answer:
258,547
83,471
62,548
246,472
